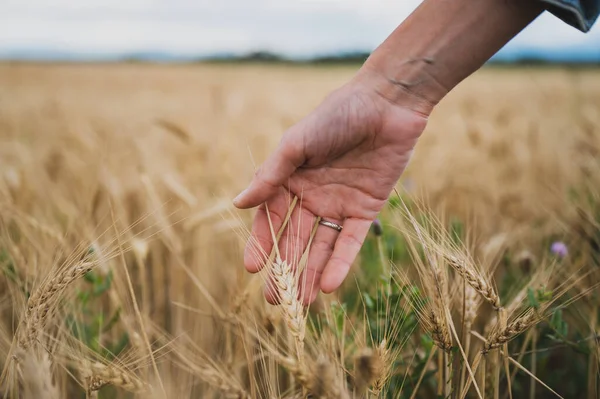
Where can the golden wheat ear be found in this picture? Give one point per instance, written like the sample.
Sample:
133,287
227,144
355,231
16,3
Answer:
41,305
285,278
371,369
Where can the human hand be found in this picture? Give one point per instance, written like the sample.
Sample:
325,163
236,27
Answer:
342,162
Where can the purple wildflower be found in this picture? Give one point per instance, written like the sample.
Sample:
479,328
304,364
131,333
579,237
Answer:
377,227
559,249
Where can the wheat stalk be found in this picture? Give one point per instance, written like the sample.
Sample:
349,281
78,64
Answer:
471,305
431,314
474,278
434,279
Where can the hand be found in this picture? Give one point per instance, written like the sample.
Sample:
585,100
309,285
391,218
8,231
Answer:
342,162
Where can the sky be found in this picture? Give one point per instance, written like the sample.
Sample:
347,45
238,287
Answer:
295,28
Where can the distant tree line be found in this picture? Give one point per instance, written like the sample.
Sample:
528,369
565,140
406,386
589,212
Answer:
359,57
269,57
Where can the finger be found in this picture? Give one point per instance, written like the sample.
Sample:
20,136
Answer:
292,244
274,173
295,237
321,249
260,243
345,251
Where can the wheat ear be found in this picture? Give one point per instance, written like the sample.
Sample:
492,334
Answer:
382,367
286,284
42,303
287,290
474,278
516,327
369,370
99,375
321,379
219,380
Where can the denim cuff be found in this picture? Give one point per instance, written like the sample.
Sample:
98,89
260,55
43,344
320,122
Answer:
578,13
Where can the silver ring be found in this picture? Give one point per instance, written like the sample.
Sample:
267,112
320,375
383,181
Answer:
334,226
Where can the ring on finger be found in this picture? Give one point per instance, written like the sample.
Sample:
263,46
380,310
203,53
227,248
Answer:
332,225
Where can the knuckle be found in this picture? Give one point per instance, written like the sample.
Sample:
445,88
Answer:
350,241
322,245
274,214
313,272
338,263
263,177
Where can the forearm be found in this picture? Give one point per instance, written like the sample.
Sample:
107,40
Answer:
441,43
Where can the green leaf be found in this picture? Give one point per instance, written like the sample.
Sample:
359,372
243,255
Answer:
112,321
119,346
339,313
368,301
426,342
90,277
83,297
457,229
103,284
533,302
394,201
558,324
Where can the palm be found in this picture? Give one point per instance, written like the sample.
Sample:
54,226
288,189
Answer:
342,161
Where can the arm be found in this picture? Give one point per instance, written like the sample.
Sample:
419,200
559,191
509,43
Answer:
441,43
344,159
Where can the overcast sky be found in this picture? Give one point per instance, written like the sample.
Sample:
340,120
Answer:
291,27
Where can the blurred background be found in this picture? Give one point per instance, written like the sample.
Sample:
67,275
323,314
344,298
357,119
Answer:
188,31
127,126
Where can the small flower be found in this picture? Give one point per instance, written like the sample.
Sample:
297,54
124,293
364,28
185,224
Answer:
377,228
559,249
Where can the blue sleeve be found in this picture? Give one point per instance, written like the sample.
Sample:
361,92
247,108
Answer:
578,13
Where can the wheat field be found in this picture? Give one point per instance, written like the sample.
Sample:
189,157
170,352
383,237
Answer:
121,254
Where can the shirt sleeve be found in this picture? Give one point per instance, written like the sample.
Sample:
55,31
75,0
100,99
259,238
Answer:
578,13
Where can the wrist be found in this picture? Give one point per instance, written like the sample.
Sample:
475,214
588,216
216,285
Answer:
408,85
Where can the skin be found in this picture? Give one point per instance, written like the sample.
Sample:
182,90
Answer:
344,159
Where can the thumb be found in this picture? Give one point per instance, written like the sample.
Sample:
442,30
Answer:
273,174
